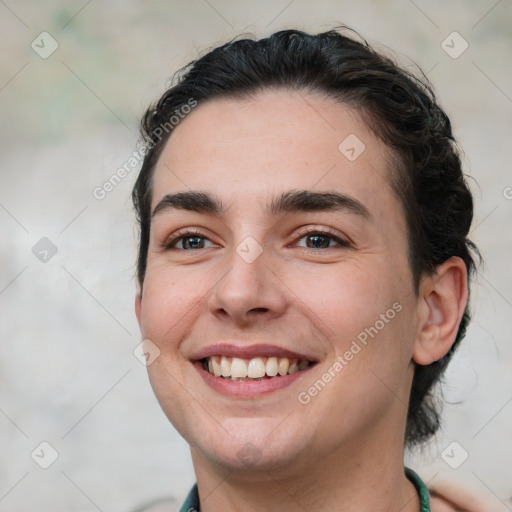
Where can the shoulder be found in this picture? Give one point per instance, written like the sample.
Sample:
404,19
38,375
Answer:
449,497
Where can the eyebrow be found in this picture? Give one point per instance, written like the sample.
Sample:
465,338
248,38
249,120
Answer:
288,202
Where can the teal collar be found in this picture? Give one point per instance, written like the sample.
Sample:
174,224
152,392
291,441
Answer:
192,502
421,488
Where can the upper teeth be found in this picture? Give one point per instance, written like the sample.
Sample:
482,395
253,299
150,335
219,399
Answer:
255,368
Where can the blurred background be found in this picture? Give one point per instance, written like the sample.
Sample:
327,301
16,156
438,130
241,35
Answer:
80,429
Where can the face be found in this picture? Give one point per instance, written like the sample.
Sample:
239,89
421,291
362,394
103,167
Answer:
281,299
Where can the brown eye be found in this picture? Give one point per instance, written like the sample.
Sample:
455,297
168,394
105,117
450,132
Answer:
322,240
192,242
188,241
318,241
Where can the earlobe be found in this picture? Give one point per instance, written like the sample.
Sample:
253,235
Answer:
443,299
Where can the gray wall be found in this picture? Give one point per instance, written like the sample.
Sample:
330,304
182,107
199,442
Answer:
68,376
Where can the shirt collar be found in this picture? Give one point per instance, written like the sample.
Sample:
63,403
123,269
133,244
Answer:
191,503
421,488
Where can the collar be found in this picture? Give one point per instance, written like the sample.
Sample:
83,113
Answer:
420,487
191,503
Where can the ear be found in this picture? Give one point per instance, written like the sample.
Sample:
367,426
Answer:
442,300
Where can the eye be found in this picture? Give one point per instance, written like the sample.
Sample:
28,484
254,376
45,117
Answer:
320,239
191,240
188,240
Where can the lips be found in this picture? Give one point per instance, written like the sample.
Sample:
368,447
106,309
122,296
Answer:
250,352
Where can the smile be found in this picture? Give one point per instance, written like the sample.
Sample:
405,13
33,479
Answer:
257,368
250,371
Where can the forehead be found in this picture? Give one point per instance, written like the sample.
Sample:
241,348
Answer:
247,151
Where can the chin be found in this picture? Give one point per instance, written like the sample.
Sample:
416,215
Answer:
247,444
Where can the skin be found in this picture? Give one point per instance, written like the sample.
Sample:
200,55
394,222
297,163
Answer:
451,497
344,449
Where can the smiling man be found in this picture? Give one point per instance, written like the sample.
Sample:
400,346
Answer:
303,272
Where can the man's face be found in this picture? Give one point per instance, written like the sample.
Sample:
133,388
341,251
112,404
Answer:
325,287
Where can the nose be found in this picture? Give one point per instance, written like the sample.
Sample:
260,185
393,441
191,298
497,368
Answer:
248,291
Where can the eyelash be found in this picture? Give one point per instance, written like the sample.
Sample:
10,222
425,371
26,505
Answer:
181,235
325,233
191,233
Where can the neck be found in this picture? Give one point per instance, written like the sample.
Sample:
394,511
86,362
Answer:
363,477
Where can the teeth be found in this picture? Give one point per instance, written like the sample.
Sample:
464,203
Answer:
272,367
217,370
239,368
284,364
294,368
225,367
258,368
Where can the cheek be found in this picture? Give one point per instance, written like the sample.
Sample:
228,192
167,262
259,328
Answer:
364,309
168,309
349,299
167,297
